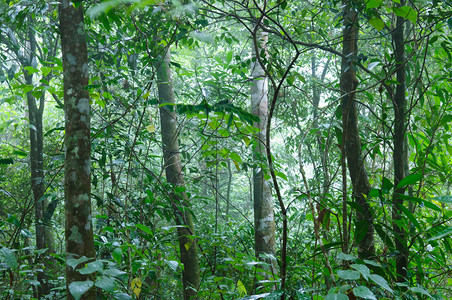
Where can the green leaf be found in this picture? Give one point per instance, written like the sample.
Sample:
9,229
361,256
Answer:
7,256
421,201
348,274
363,269
19,153
382,232
374,193
386,186
144,228
344,256
114,272
72,262
241,288
364,292
338,296
406,12
106,283
92,267
377,23
46,70
78,288
372,263
373,3
381,282
410,216
229,57
444,199
410,179
6,161
103,7
446,119
117,255
235,157
441,234
31,70
123,296
420,291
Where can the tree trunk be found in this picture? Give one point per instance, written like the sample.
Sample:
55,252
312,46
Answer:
77,175
187,242
364,232
43,234
399,158
264,220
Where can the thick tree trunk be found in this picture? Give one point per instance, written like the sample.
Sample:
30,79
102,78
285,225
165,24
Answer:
399,158
364,232
187,242
77,175
264,220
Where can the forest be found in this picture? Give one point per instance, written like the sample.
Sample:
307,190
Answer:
213,149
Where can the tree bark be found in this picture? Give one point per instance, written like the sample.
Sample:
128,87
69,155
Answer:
364,232
264,220
77,175
173,168
399,158
43,234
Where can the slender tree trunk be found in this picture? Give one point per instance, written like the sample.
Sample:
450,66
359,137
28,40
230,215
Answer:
187,242
77,175
399,158
364,232
228,191
264,220
43,234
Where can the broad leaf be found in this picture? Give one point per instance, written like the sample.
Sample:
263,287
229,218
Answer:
78,288
377,23
72,262
144,228
420,291
373,3
344,256
106,283
92,267
337,296
381,282
364,292
123,296
117,255
114,272
7,256
406,12
363,269
348,274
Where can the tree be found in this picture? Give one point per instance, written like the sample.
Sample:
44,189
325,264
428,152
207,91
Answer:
264,220
77,173
399,153
188,245
351,143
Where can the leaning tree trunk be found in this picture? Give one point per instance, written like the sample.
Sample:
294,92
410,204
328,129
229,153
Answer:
264,220
364,232
399,158
187,242
77,175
